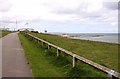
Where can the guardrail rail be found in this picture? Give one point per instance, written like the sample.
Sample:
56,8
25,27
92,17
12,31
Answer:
111,73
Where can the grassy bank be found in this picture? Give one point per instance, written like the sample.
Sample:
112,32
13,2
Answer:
105,54
44,63
3,33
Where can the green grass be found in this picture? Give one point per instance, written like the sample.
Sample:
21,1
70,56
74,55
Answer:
105,54
44,63
3,33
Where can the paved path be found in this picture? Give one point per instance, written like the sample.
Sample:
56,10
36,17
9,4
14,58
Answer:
0,58
14,63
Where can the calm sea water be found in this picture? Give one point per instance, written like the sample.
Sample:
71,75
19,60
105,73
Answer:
110,38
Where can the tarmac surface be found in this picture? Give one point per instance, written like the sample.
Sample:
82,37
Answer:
14,63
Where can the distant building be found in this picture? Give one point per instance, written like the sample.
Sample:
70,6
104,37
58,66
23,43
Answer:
4,29
26,29
65,35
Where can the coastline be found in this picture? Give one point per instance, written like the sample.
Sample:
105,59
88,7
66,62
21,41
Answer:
97,38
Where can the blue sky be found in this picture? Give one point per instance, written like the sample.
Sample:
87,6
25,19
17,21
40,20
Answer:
73,16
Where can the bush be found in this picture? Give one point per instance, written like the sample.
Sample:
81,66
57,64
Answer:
35,31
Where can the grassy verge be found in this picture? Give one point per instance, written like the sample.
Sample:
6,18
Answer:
44,63
2,34
105,54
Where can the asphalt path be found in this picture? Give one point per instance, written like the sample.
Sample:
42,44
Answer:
14,63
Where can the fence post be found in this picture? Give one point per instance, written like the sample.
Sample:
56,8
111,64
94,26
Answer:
74,60
110,74
57,52
38,41
42,43
48,47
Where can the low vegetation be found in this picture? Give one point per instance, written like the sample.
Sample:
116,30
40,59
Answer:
44,63
105,54
3,33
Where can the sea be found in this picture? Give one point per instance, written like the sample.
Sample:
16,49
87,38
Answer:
101,37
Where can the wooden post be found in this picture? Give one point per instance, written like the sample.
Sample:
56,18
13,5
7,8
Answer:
57,52
42,43
110,74
35,40
48,47
74,60
32,38
38,41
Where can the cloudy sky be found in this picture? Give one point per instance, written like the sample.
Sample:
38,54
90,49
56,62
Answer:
73,16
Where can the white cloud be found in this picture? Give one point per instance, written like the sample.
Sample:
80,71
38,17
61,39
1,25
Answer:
4,5
81,11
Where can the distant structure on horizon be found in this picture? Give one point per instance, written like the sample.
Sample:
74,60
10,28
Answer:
4,29
26,29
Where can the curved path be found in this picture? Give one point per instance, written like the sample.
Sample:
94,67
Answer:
14,63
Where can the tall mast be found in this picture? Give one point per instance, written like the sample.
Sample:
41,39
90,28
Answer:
16,24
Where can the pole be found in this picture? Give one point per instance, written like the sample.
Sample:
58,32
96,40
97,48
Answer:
16,25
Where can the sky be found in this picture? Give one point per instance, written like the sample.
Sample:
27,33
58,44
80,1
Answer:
69,16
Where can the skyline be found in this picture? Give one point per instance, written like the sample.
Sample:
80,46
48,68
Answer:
75,16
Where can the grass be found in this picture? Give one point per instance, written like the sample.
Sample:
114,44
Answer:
105,54
3,33
44,63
